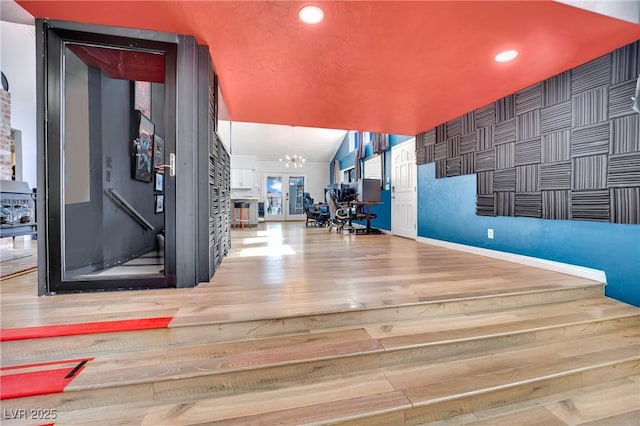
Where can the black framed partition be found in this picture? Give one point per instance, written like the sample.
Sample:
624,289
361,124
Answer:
107,223
126,125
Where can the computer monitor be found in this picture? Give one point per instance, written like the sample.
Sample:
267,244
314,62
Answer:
349,192
369,190
335,188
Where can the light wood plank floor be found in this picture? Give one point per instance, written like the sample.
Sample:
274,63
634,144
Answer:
306,326
282,270
21,257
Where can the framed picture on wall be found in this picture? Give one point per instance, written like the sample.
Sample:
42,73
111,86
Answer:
142,148
158,151
159,203
159,186
142,97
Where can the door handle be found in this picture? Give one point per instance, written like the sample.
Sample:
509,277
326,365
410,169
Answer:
171,166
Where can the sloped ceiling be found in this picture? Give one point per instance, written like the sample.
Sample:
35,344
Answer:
269,142
389,66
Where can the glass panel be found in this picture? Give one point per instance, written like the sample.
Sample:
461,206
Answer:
274,195
113,201
348,175
296,195
352,141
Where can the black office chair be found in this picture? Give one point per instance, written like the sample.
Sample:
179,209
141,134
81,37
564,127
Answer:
317,214
340,216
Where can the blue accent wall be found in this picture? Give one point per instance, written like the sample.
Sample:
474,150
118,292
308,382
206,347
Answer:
346,159
446,211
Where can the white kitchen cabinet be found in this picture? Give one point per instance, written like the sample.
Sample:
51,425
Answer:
241,178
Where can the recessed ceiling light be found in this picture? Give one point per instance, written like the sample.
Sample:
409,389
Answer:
506,56
311,14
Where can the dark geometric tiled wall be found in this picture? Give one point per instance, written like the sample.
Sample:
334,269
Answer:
565,148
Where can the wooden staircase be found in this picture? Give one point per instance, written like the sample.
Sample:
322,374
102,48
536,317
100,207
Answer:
553,355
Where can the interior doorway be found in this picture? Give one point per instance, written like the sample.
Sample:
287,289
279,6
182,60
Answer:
284,196
109,139
404,189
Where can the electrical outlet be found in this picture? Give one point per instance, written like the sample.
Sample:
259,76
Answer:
490,233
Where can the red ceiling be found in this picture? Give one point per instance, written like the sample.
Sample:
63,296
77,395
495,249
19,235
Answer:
390,66
124,64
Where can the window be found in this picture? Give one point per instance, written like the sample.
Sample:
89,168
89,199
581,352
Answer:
352,141
348,175
373,168
366,138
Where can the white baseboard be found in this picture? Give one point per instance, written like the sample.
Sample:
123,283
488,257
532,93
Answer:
565,268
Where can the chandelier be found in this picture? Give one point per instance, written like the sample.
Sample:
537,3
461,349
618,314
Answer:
295,161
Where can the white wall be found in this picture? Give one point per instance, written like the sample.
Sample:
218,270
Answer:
18,59
243,161
317,175
620,9
224,133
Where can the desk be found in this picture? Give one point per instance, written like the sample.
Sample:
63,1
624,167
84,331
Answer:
366,205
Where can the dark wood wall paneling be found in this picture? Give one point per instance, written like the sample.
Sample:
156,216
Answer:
565,148
214,236
220,202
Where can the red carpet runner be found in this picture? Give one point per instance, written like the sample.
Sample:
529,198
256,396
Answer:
21,333
39,379
17,381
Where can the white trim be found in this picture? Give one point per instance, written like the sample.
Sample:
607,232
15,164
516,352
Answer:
565,268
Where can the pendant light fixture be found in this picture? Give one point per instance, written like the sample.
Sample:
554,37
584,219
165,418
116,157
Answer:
295,161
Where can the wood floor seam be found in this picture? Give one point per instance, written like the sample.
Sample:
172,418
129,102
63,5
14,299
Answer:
528,381
501,334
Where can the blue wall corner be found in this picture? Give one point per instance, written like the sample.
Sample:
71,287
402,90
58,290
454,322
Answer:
398,139
348,161
446,211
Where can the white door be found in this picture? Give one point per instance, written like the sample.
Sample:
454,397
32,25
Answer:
284,197
404,191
